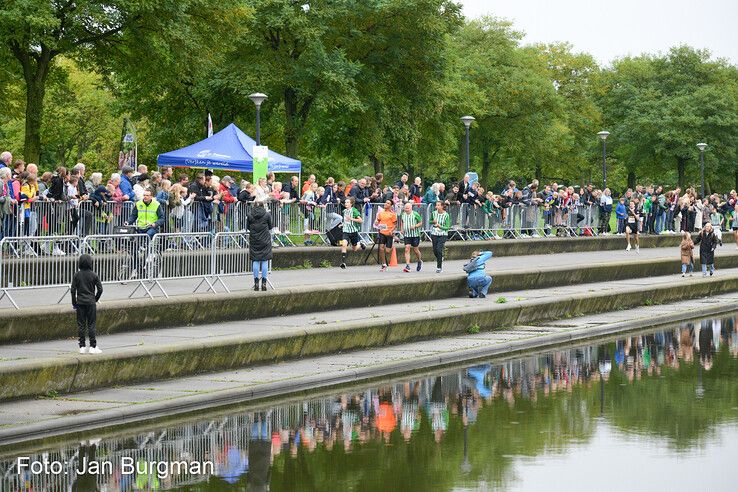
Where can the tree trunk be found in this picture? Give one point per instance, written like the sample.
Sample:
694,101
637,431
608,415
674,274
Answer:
292,129
484,178
631,179
35,72
377,164
34,116
681,171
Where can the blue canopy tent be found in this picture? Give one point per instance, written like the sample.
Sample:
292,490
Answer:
230,149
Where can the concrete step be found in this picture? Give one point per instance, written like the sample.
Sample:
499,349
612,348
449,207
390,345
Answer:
289,257
316,291
54,367
99,411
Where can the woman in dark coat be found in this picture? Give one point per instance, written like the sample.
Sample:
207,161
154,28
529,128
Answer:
708,242
259,223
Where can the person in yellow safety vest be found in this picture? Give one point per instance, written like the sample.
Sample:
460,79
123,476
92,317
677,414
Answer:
147,215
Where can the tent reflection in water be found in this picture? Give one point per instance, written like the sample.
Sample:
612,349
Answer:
229,150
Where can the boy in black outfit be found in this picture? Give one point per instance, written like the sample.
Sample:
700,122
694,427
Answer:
86,291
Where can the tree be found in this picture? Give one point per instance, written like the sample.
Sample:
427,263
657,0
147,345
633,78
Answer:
510,92
660,107
35,32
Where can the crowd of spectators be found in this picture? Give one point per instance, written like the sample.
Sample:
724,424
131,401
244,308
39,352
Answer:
660,211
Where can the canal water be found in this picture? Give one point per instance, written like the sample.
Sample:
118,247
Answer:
657,410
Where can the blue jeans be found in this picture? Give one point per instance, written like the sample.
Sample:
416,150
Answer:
479,284
151,231
687,267
260,266
704,268
660,222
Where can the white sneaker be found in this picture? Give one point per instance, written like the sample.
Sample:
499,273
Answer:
95,350
638,249
83,350
439,270
58,252
628,248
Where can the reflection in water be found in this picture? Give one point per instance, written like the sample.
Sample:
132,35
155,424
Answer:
461,428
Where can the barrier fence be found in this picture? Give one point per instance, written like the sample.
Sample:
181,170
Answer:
294,223
126,259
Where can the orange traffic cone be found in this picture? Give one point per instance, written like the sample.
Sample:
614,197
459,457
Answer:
393,260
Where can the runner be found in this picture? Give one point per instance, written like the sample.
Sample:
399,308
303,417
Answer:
411,225
351,227
385,223
631,226
441,223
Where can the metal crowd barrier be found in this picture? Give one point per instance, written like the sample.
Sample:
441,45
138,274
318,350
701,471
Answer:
174,256
291,220
120,258
32,262
230,256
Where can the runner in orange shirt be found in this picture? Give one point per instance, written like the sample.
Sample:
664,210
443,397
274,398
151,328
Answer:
385,223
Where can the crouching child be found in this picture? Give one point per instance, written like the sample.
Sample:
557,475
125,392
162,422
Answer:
477,279
86,291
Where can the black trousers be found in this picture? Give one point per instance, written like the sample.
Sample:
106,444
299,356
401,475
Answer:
86,318
438,244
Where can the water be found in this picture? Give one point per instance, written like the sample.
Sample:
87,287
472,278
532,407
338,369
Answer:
653,411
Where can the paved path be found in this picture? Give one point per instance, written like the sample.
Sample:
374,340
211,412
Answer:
163,339
129,403
314,276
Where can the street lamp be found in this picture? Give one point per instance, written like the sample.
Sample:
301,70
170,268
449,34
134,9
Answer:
603,135
467,121
702,147
258,98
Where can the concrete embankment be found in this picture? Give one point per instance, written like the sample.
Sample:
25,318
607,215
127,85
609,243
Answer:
459,250
57,322
38,270
66,373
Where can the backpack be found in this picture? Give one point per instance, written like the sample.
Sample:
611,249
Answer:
472,266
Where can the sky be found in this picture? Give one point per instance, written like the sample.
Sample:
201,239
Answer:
610,30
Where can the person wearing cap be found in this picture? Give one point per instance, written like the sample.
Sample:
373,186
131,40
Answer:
141,186
126,183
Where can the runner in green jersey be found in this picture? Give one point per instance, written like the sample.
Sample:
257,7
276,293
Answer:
351,226
412,223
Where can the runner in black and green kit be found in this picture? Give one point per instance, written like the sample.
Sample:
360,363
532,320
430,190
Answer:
351,226
411,225
440,224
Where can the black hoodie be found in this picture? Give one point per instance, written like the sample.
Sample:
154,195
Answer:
86,285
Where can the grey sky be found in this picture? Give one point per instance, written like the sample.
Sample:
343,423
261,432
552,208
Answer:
611,29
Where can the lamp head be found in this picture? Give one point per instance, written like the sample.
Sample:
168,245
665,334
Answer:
467,120
258,98
603,135
702,146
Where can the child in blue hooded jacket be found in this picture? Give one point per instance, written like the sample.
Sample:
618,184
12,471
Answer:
477,280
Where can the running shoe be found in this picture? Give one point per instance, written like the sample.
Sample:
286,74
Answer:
419,266
406,269
343,266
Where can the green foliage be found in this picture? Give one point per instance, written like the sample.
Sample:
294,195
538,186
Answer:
501,300
356,87
659,107
472,330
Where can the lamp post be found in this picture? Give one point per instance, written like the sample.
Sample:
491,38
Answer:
603,135
258,98
467,121
702,147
